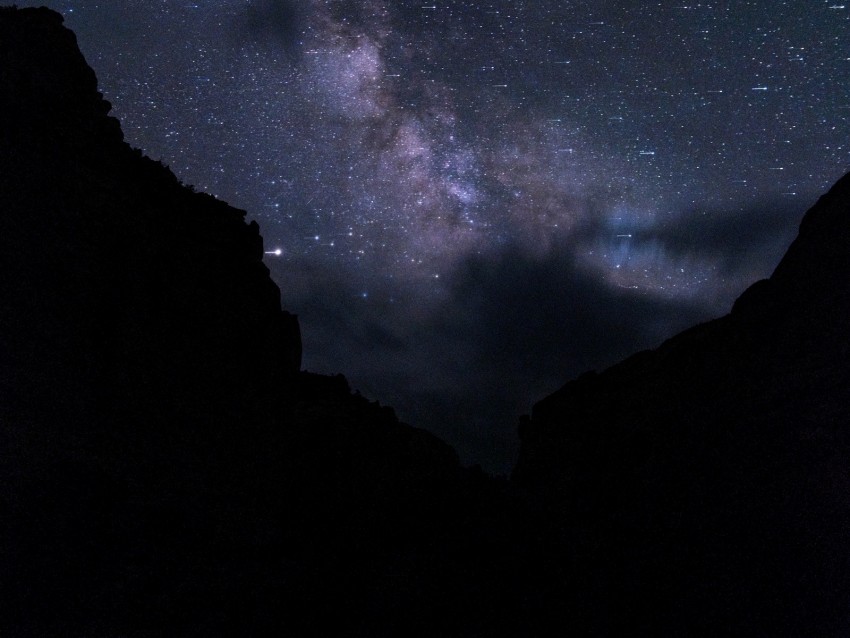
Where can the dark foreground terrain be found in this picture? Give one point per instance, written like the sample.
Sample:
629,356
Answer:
167,470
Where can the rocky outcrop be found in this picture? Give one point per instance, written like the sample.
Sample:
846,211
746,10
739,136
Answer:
711,472
115,276
165,467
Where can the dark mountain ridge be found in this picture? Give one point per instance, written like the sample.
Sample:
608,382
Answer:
167,470
721,457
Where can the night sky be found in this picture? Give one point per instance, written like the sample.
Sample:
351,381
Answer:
476,201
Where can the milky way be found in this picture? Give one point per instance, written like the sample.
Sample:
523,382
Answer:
476,201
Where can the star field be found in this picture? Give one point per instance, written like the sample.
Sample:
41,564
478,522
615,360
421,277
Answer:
649,160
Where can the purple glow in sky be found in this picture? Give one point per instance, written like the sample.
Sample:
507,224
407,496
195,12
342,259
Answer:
476,201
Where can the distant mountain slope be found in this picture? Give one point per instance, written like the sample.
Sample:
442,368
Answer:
714,472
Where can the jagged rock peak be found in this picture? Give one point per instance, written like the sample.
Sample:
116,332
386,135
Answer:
816,264
110,241
47,83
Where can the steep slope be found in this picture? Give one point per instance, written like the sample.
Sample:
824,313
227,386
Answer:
107,260
709,478
165,469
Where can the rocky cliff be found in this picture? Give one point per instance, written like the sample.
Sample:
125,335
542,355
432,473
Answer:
165,467
711,473
107,260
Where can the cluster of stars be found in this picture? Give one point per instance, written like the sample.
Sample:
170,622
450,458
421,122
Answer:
391,142
412,134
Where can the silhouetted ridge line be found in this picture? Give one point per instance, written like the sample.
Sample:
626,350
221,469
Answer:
719,458
167,470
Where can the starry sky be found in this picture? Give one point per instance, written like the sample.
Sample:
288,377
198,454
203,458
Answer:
474,202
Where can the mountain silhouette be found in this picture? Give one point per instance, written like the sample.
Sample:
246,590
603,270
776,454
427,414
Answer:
166,468
719,460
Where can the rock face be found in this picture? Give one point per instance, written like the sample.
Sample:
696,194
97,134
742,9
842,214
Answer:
108,261
708,479
165,469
